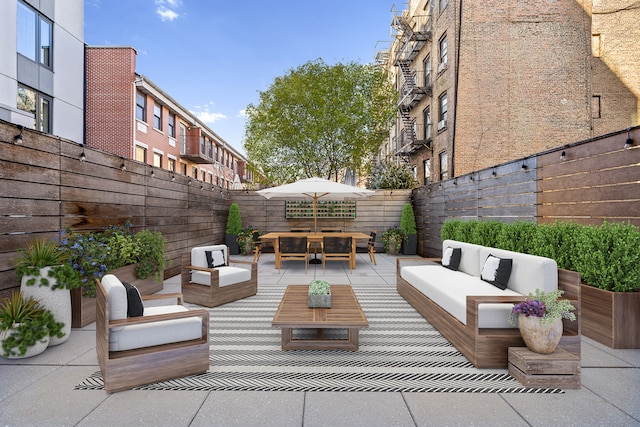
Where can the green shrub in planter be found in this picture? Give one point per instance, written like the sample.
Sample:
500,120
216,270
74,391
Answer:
516,237
557,241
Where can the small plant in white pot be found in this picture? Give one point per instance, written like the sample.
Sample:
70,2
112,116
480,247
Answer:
319,294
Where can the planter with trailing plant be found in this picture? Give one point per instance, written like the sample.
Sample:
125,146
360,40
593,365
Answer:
136,258
234,227
245,240
26,327
392,239
408,226
46,275
319,294
539,318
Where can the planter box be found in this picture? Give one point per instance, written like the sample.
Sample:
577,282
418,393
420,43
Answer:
83,309
320,301
611,318
410,245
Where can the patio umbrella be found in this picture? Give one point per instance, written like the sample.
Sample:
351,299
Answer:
315,188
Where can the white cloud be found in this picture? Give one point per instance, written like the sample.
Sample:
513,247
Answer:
168,10
209,117
242,113
166,14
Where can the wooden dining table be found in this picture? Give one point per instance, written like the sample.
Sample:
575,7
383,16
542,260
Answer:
315,237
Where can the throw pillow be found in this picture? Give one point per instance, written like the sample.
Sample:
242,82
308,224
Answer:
451,258
135,308
215,259
497,271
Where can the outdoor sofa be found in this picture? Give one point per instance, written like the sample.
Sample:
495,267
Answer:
474,314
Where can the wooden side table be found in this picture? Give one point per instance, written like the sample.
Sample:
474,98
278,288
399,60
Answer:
559,369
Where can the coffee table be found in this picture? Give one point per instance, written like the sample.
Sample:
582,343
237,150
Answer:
345,313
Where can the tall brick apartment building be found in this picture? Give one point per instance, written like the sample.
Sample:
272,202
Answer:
485,82
128,115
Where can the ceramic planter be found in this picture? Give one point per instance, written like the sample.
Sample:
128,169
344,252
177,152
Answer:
57,301
34,350
320,301
540,338
611,318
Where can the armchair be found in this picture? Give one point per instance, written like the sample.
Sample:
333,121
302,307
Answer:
209,279
165,342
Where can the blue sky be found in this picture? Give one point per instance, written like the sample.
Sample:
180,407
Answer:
213,56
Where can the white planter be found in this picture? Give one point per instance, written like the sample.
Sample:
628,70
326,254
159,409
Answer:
57,301
34,350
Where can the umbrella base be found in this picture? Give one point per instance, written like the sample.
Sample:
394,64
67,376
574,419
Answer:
315,261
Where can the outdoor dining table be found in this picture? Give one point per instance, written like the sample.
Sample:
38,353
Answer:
315,237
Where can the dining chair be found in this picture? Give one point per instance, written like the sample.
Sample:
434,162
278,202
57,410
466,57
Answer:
337,249
293,248
332,230
301,230
371,247
257,245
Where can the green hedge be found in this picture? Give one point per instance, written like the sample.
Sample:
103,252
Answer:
607,256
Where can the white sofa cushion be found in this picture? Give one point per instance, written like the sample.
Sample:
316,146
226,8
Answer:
449,289
156,333
228,276
117,296
199,257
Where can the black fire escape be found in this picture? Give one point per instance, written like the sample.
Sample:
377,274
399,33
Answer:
413,33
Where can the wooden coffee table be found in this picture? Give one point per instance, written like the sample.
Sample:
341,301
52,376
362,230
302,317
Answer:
345,313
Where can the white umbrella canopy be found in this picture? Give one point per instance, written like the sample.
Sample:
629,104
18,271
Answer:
315,188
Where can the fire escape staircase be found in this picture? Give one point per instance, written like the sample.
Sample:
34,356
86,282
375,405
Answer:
411,93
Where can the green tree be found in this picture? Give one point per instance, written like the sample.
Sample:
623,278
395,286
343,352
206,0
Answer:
391,176
318,120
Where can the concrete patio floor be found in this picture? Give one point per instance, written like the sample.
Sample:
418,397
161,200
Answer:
39,391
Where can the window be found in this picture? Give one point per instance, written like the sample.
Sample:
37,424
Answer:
194,172
442,113
183,139
442,44
443,4
426,116
171,127
596,45
444,166
141,106
157,116
34,37
595,107
427,171
141,154
427,71
183,168
203,145
171,164
210,149
38,104
157,160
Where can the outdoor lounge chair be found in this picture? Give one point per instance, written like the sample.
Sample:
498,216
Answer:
163,343
210,278
337,249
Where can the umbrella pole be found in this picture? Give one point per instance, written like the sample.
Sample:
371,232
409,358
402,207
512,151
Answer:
315,259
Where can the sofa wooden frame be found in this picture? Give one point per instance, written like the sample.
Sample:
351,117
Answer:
488,347
122,370
214,294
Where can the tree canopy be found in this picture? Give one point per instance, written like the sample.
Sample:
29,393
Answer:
319,120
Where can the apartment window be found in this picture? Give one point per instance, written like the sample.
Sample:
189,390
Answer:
34,36
38,104
215,152
203,147
427,71
141,106
183,139
157,160
442,44
140,154
442,113
444,166
443,4
596,45
427,171
194,172
183,168
426,116
171,126
157,116
171,164
595,107
210,149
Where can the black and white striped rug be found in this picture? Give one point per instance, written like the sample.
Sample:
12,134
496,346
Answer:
399,352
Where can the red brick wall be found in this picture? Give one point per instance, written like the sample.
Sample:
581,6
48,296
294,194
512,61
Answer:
110,73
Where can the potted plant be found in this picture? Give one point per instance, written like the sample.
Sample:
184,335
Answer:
539,318
408,226
26,327
245,240
46,275
392,239
319,294
234,226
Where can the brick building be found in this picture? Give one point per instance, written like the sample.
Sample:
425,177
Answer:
482,83
130,116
